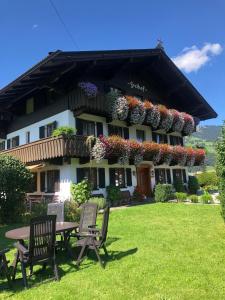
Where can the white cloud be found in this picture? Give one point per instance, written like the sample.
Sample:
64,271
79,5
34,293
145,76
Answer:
192,58
35,26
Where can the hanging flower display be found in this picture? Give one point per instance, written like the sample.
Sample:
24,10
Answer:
153,117
136,151
166,152
179,155
137,110
90,89
190,157
120,109
199,157
189,124
178,121
166,118
115,146
98,151
152,151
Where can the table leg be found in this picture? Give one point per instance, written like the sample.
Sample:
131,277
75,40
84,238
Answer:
67,247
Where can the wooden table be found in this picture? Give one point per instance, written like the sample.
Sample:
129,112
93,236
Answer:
21,234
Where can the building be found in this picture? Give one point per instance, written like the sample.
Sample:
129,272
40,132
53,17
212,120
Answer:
74,89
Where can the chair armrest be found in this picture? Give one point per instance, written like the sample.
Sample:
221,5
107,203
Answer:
93,230
92,226
21,248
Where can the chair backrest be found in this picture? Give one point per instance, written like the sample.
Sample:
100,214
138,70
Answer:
56,209
88,216
42,238
105,223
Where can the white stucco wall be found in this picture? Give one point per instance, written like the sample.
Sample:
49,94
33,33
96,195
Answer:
64,118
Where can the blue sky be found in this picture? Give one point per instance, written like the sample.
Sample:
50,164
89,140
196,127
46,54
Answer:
30,29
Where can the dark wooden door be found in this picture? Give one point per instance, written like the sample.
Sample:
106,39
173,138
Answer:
143,180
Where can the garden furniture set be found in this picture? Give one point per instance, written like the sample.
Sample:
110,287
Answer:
43,245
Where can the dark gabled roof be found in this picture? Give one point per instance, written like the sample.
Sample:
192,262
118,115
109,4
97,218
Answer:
59,63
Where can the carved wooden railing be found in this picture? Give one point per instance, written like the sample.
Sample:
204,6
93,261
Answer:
50,148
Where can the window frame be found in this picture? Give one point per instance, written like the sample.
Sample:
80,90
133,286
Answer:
144,135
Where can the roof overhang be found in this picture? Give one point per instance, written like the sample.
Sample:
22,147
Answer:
56,64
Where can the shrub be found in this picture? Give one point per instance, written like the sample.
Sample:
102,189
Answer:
193,185
181,196
81,191
178,185
100,201
113,194
220,169
65,131
71,211
137,195
207,178
206,198
15,181
193,198
163,192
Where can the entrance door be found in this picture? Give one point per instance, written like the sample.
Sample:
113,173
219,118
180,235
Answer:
143,180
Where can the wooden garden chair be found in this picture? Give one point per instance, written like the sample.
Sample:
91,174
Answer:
41,248
4,265
87,219
95,239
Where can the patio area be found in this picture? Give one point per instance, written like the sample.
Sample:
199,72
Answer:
156,251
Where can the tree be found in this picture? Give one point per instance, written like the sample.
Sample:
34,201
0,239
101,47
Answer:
15,181
220,169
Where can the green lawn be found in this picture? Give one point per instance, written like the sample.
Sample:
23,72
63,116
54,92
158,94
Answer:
158,251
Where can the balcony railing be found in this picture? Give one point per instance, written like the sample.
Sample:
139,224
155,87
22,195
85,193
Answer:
50,148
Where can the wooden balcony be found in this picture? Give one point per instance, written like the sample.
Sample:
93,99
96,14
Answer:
50,148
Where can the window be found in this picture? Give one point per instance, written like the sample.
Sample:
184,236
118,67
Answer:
176,140
27,137
2,145
180,174
95,176
162,175
13,142
140,134
120,177
87,128
50,181
47,130
159,138
117,130
33,187
29,106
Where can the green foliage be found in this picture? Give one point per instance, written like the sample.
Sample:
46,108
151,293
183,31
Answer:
71,211
220,169
207,178
113,194
193,184
15,181
178,185
65,131
100,201
81,191
206,198
208,188
163,192
181,196
193,198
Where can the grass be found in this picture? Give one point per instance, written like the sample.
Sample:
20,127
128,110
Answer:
157,251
